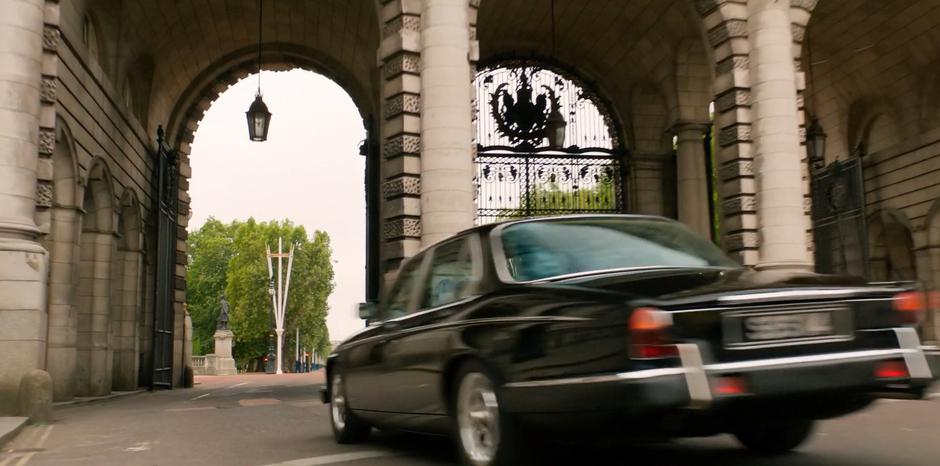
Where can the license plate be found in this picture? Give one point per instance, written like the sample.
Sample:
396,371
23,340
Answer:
786,326
743,329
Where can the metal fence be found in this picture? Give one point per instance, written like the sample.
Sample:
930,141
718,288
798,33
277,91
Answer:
513,184
840,227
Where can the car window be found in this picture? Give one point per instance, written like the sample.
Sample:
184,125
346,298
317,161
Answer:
451,277
398,303
551,248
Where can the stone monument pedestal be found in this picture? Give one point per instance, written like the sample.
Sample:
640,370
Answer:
221,362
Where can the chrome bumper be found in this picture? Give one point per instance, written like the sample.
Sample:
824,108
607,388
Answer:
923,365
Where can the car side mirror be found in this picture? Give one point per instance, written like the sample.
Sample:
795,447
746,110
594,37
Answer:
368,311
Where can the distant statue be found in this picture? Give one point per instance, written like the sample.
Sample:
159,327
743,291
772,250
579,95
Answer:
222,322
220,362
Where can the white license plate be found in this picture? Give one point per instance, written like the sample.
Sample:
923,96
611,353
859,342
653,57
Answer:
787,326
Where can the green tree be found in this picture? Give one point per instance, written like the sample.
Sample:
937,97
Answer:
210,249
230,259
550,197
251,317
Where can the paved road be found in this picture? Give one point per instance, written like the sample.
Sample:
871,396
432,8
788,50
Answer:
266,419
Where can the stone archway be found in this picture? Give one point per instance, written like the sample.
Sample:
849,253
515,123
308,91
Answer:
64,218
210,84
126,293
95,313
891,247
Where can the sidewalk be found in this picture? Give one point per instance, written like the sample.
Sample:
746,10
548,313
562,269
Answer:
9,427
91,399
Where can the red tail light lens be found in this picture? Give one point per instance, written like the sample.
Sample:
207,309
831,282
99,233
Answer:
911,306
891,370
649,334
729,385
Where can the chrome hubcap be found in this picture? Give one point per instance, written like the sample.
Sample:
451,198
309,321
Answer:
478,418
338,403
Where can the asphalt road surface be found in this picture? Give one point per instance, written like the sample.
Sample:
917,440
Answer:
268,419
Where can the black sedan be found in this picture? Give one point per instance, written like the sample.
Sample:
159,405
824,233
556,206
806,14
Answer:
624,325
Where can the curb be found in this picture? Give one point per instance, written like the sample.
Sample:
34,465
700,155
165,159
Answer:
6,437
95,399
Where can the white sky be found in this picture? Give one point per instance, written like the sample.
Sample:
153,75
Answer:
309,171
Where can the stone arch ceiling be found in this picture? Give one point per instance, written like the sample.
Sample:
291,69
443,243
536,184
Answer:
188,40
869,53
618,44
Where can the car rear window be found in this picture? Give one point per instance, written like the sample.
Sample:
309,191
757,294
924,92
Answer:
550,248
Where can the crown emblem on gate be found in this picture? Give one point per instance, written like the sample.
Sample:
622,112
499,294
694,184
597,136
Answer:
521,120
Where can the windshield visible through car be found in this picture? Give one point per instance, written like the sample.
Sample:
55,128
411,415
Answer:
551,248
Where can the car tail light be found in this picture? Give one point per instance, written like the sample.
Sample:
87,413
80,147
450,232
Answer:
895,369
911,306
649,334
729,385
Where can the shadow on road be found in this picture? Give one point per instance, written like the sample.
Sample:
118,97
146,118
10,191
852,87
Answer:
438,450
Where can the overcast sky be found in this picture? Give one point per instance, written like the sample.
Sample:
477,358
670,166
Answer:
309,171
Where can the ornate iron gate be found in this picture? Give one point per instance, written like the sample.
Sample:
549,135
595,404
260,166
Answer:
526,184
840,228
547,145
165,197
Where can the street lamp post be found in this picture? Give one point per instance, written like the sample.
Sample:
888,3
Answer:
279,294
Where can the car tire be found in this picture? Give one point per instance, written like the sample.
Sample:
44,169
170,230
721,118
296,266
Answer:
775,437
347,427
485,434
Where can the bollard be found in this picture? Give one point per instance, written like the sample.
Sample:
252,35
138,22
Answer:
35,398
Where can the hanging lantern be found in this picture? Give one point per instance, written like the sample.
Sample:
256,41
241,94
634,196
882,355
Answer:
815,142
259,118
555,127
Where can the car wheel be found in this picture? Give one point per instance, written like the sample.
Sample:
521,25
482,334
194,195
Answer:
347,427
775,437
486,436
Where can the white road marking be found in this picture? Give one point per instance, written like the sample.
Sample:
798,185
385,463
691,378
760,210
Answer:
333,459
25,458
45,436
42,433
226,388
142,446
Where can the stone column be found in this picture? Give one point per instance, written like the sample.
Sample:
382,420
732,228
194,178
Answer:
782,225
23,260
691,178
447,204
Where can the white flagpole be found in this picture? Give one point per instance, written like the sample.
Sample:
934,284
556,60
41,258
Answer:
271,284
290,266
280,311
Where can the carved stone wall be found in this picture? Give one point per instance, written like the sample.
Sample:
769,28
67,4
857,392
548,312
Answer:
400,62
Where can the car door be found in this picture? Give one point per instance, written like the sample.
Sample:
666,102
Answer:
363,362
417,348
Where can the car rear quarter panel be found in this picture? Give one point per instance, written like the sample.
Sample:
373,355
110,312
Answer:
530,333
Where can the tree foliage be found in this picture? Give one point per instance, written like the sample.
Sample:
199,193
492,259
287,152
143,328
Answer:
547,198
245,279
210,249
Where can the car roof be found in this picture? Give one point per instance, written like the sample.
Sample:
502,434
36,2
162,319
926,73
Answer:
486,228
489,226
